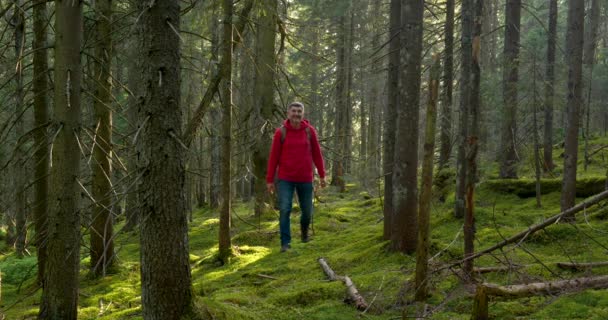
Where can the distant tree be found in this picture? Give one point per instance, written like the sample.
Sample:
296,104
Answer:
550,88
225,248
390,114
165,267
424,211
19,160
405,182
60,288
466,43
509,159
102,244
473,138
448,85
574,60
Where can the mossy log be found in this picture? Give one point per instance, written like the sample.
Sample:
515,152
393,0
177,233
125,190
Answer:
354,296
480,305
581,266
526,188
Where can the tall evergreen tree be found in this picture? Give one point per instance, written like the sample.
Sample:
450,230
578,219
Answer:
165,268
574,59
509,157
550,88
60,288
405,182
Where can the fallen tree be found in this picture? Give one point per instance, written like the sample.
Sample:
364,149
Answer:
352,291
581,265
485,290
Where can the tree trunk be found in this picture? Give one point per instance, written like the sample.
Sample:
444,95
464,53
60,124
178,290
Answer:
60,294
225,248
165,269
390,123
448,85
550,88
264,88
340,129
102,245
473,141
20,157
509,159
375,113
591,33
424,212
41,118
405,193
465,99
574,57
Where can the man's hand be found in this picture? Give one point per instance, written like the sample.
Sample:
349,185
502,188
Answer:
270,187
323,183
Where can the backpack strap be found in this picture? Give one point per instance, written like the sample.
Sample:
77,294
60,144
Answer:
284,133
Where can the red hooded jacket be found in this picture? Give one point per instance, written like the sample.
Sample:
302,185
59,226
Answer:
295,155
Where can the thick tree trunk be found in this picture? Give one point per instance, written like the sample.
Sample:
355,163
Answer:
390,114
509,159
165,269
574,57
448,85
60,294
424,212
340,129
405,183
102,245
225,248
550,88
264,88
41,118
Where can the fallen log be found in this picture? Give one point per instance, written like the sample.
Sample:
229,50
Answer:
532,229
354,296
581,265
482,270
480,305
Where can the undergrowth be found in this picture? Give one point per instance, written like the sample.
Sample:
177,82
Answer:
260,282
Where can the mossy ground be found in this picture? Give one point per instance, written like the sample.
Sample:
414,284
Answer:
262,283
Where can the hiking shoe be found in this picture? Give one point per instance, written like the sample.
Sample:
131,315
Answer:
285,247
305,236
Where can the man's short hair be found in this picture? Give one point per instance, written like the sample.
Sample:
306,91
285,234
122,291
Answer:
296,104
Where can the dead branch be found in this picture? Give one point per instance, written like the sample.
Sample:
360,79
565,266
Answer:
353,294
480,306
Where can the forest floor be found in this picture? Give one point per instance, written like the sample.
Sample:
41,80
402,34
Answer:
260,282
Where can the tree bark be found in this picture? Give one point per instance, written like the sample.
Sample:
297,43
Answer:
405,183
102,245
390,114
424,212
60,294
574,57
509,159
41,119
165,268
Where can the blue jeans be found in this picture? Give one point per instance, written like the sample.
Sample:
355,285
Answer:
285,191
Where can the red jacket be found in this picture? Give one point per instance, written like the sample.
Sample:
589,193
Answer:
295,155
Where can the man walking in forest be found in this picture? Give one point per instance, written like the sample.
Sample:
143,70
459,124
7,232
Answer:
295,148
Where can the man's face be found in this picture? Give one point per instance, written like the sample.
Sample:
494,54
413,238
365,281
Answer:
295,114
